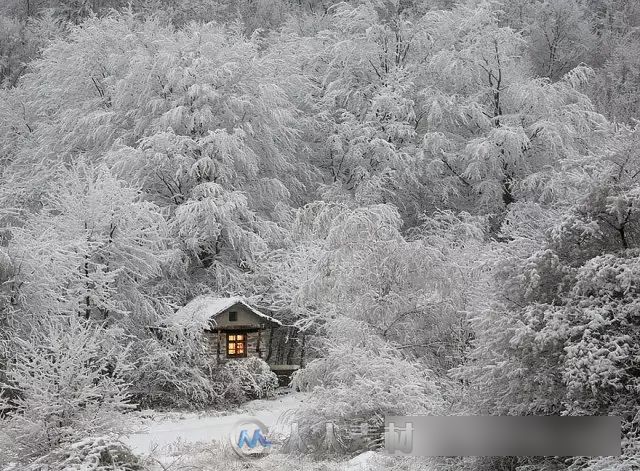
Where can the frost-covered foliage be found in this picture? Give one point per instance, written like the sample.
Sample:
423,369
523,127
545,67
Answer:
154,183
20,41
627,461
560,36
105,247
560,334
199,120
176,373
89,454
97,239
239,381
218,456
170,370
68,376
424,189
386,307
355,263
617,88
359,380
493,128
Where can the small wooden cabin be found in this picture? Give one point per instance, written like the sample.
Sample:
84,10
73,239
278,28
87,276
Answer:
234,329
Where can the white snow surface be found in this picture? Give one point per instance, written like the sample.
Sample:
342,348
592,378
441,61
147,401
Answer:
159,430
361,462
203,308
176,440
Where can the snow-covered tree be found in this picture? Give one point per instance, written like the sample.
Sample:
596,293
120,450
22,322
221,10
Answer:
200,119
616,86
359,381
69,378
354,263
89,250
427,190
560,36
559,333
492,130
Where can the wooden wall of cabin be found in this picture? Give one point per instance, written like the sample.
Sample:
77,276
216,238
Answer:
253,340
278,346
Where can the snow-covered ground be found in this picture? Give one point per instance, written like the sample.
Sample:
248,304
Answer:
189,440
158,431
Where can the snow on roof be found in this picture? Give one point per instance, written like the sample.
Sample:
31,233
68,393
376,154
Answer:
203,308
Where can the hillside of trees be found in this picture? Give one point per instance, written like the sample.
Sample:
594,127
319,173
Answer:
444,196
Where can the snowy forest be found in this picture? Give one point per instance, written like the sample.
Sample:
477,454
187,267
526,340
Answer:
442,197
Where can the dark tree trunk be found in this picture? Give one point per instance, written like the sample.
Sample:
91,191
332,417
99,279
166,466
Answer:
270,346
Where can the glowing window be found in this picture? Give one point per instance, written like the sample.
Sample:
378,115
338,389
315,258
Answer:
236,345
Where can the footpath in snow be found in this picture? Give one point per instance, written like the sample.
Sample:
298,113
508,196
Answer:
160,430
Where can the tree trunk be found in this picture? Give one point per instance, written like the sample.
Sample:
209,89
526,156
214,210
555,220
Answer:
270,346
258,343
218,346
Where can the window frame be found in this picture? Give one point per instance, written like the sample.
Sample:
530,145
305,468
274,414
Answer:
233,316
232,338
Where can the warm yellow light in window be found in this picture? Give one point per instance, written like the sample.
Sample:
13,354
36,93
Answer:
236,344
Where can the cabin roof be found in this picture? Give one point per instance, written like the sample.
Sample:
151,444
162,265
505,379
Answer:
206,307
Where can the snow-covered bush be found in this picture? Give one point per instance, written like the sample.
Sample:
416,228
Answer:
174,371
218,456
557,332
88,454
360,380
68,376
239,381
170,372
626,462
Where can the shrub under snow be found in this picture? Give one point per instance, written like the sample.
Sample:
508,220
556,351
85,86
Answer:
170,373
359,381
67,376
88,454
242,380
